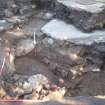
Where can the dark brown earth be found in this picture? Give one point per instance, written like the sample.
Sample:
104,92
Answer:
50,63
56,61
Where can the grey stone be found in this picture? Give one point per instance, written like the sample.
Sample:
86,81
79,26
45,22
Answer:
8,13
25,10
6,8
93,6
64,73
2,13
4,25
17,19
37,81
24,47
86,15
60,30
45,15
48,16
25,7
99,47
28,96
47,42
13,7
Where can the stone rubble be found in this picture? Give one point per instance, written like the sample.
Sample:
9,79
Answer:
24,7
8,11
13,7
37,81
32,88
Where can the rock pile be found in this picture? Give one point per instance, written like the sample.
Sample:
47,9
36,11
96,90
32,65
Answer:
13,7
36,87
7,9
24,6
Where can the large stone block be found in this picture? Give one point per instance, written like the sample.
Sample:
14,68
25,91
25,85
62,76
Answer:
87,15
61,30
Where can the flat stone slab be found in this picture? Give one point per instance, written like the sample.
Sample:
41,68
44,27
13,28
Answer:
60,30
92,6
4,25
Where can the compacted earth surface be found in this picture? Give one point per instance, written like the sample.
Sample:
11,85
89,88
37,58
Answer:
52,53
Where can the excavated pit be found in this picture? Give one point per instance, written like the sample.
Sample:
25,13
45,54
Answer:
54,65
31,66
80,67
46,61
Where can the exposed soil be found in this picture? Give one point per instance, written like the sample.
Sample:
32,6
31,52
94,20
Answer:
60,60
30,65
89,84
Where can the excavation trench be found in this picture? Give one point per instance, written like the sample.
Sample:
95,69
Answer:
59,63
55,66
55,62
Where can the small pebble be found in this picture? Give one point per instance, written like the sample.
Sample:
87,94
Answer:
46,61
61,81
50,41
